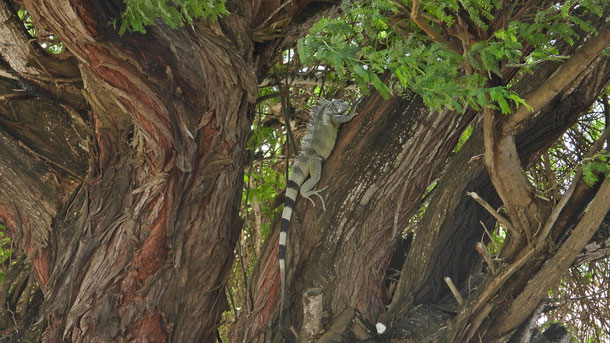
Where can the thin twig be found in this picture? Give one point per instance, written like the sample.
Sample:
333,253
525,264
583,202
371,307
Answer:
13,317
483,251
528,64
505,222
490,236
228,290
592,296
454,290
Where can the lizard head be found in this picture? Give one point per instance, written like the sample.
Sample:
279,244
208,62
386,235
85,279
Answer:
338,106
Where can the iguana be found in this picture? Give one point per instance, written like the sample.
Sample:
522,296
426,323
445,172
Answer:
317,145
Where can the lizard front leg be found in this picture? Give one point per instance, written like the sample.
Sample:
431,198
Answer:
342,119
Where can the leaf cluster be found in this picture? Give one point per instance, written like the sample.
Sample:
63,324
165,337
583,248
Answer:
596,166
140,13
377,37
5,252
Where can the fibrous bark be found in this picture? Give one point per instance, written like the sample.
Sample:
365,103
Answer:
139,245
345,249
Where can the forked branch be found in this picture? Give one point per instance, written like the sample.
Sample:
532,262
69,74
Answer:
552,271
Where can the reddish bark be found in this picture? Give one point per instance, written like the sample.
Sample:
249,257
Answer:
148,237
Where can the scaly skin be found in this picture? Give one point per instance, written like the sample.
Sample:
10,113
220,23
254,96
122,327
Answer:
318,144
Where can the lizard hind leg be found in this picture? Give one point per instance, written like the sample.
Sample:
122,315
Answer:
307,188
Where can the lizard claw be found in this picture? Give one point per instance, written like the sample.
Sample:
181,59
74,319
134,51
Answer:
316,193
322,200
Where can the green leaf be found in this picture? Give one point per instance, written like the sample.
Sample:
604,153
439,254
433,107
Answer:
595,167
381,87
356,68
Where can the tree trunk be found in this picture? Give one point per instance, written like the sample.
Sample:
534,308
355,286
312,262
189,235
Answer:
144,240
142,247
383,161
121,172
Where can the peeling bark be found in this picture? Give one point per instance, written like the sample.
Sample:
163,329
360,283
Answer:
146,234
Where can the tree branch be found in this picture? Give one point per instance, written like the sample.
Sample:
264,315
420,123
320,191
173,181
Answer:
566,199
553,270
593,251
500,218
417,17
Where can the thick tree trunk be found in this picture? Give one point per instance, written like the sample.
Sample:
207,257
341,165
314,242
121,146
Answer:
145,241
383,161
142,248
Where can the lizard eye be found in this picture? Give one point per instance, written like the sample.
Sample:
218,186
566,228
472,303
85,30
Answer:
339,105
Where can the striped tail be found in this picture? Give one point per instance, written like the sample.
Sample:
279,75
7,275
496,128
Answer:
292,191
